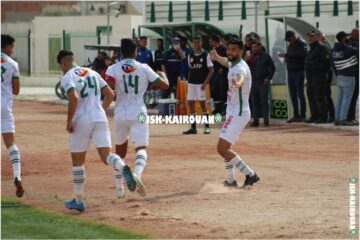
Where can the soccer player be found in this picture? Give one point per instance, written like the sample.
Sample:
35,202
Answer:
237,112
130,79
10,85
200,73
86,120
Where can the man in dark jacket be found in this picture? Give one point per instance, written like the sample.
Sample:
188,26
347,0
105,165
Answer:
295,64
317,66
159,55
354,42
345,60
219,83
262,70
144,54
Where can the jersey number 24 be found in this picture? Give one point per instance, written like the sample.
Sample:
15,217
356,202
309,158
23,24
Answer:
89,83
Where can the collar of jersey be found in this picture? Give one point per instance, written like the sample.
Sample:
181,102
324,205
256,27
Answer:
233,65
202,50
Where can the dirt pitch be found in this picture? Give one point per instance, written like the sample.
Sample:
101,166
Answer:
303,192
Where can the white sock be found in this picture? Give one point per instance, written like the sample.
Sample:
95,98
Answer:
14,156
79,182
140,162
238,163
230,171
118,179
115,161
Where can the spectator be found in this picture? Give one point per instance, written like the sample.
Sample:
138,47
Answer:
345,60
219,83
172,65
262,70
317,66
137,41
354,41
108,62
184,64
99,62
227,38
330,103
295,64
159,55
144,54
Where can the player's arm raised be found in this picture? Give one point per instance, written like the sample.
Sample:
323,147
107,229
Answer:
73,101
161,83
108,96
216,57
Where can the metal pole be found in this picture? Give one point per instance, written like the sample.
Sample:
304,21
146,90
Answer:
108,22
29,52
256,16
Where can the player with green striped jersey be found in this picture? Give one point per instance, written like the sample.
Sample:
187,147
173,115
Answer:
237,112
86,121
130,79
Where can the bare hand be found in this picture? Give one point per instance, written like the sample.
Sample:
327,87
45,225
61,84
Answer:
69,127
213,54
266,81
203,86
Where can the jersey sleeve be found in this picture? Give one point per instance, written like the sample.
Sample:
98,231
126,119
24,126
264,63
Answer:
110,76
67,83
16,73
208,61
150,74
102,82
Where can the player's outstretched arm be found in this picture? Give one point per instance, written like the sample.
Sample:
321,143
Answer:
73,101
163,83
239,80
216,57
109,97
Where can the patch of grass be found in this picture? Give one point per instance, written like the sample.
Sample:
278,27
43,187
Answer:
26,222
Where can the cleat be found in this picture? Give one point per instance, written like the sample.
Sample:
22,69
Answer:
129,178
206,130
249,181
120,193
19,188
72,205
190,131
230,185
140,188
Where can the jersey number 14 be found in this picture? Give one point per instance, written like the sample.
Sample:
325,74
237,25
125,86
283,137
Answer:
129,83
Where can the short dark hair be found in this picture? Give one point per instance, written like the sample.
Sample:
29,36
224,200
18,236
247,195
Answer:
128,47
215,38
103,53
143,38
256,42
160,39
6,40
64,53
237,42
197,38
227,37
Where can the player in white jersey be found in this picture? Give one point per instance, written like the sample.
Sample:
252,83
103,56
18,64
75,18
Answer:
10,85
86,120
237,112
130,79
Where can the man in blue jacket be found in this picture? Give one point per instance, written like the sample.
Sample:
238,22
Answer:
345,60
144,54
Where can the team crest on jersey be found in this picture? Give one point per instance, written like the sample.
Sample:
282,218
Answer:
3,60
81,72
191,60
201,60
127,68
